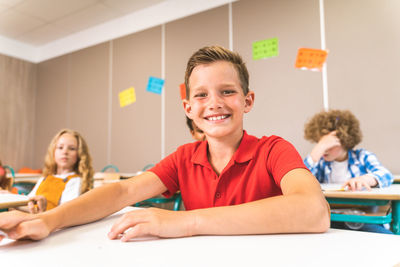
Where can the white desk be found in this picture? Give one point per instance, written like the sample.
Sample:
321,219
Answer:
12,200
26,177
102,178
88,245
396,178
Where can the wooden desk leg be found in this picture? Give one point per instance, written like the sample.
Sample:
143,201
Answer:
396,216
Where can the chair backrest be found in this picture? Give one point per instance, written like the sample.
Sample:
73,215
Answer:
110,166
10,169
148,166
6,167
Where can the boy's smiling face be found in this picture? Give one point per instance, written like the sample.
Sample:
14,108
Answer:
217,102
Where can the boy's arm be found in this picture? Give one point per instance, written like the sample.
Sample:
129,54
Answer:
377,175
314,167
382,175
301,208
89,207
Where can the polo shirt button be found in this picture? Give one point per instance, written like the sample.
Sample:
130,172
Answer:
218,195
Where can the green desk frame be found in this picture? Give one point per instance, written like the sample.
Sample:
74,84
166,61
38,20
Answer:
177,199
393,217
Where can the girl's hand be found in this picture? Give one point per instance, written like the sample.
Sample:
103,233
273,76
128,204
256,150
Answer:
358,183
20,225
37,204
154,222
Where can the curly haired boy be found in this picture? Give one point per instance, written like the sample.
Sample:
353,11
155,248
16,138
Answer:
334,159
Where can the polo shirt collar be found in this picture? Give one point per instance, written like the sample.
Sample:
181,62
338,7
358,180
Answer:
244,153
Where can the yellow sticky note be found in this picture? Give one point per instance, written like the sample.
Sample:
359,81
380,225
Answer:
127,97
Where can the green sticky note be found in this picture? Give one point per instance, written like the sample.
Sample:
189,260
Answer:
265,48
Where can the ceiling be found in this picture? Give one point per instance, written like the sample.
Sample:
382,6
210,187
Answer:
36,30
37,22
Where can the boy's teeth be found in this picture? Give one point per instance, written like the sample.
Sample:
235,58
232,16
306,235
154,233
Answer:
217,118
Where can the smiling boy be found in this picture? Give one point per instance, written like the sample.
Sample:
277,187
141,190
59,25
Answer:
231,183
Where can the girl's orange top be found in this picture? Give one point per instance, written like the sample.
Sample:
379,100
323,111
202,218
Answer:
52,188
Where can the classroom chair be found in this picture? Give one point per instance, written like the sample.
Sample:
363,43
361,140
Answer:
11,171
148,166
104,177
14,189
23,188
110,166
177,198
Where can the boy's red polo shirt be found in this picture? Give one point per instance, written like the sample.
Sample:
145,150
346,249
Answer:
253,173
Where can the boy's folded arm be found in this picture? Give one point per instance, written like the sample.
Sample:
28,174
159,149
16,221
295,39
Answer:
375,169
301,208
103,201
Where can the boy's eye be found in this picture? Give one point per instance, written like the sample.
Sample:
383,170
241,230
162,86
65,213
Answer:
200,95
228,92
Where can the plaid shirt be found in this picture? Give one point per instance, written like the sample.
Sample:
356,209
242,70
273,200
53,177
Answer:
360,161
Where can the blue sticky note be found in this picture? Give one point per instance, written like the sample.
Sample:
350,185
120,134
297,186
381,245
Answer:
155,85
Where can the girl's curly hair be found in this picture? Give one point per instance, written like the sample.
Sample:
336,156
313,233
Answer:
83,166
5,183
345,124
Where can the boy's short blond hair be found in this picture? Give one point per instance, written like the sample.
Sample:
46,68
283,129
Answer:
345,124
210,54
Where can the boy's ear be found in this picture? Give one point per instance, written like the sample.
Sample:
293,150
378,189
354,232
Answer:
249,101
187,108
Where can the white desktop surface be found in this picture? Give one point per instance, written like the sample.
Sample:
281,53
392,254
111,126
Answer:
88,245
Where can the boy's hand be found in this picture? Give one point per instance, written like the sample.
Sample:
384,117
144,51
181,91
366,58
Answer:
37,204
358,183
154,222
325,143
21,225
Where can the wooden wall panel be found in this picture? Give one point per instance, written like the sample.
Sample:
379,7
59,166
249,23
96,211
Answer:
51,105
88,99
17,111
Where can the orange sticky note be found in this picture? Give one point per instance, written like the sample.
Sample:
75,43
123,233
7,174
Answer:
311,59
183,90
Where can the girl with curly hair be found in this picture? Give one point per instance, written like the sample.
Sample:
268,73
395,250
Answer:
67,172
334,159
